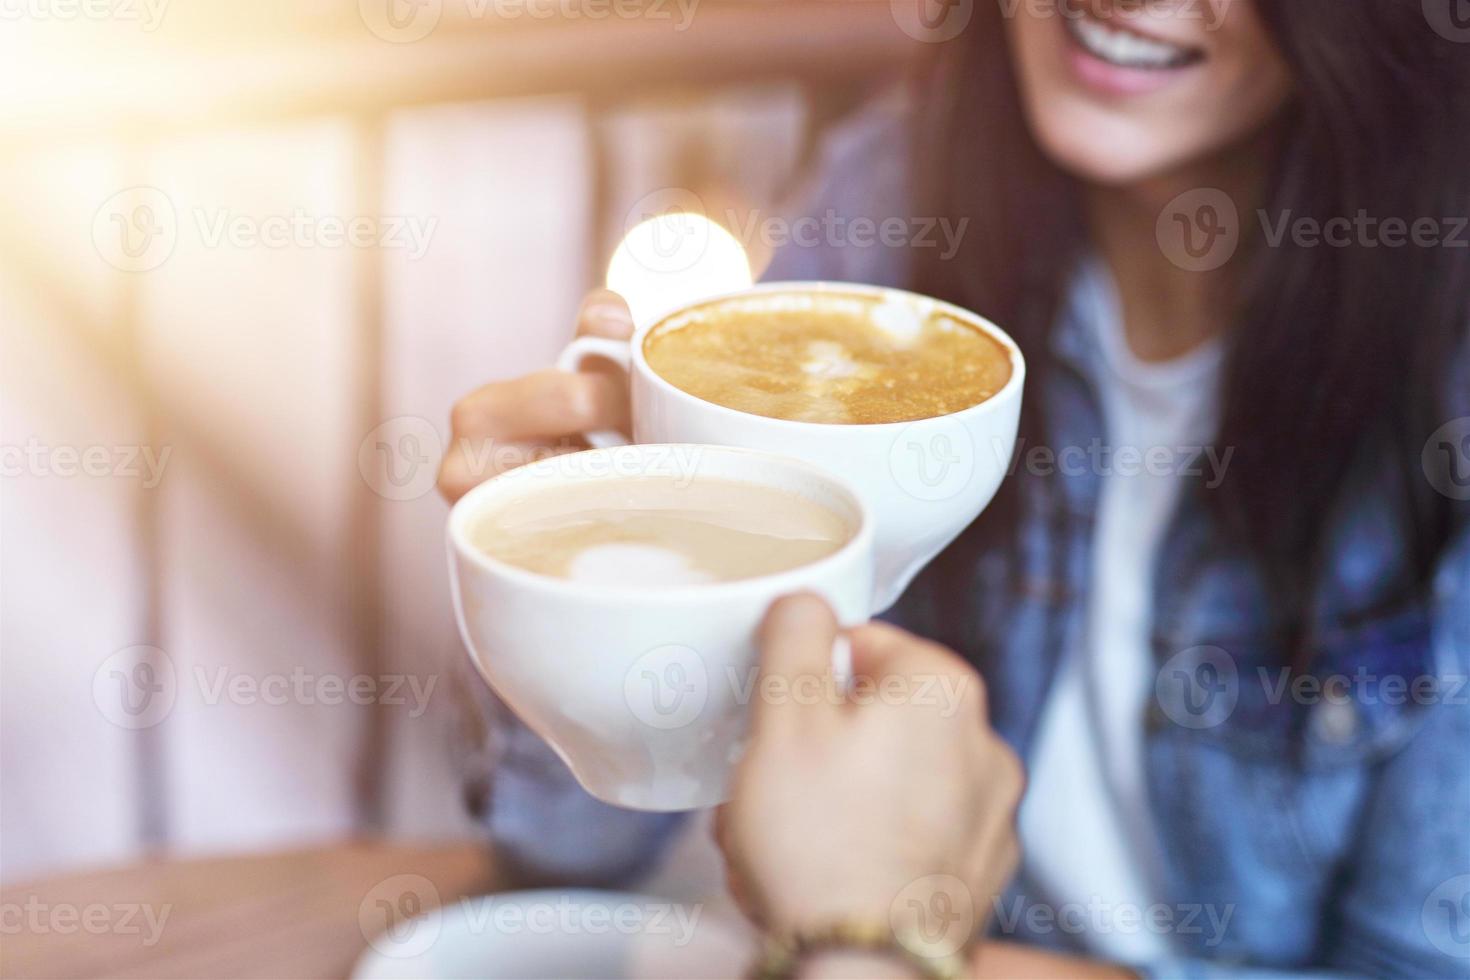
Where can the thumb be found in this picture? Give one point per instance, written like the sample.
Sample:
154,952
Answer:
796,641
604,314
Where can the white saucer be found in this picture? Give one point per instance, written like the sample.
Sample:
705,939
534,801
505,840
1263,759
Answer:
568,934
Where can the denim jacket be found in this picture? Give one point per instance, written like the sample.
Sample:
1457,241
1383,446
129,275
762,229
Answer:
1321,827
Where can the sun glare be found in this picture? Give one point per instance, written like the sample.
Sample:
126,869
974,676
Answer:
674,259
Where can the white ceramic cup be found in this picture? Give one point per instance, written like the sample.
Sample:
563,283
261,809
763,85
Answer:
643,692
923,481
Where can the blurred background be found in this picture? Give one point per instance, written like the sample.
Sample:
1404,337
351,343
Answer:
250,254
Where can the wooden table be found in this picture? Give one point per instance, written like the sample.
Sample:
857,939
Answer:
294,914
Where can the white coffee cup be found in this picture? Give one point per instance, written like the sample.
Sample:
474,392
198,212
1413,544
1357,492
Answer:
923,481
643,693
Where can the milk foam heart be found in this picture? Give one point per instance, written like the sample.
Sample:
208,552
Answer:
654,566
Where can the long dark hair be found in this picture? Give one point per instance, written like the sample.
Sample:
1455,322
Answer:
1332,349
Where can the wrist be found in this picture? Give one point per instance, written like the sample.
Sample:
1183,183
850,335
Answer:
855,899
856,964
856,951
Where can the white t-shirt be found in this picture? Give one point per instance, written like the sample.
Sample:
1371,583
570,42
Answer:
1091,849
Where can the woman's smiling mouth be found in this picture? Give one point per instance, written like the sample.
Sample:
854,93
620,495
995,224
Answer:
1119,60
1127,48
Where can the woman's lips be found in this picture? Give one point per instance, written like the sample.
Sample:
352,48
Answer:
1116,60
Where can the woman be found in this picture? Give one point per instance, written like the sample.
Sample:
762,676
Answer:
1230,239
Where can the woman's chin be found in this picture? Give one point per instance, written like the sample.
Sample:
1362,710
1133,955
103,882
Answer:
1104,148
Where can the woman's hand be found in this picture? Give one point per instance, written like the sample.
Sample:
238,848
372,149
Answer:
508,423
896,811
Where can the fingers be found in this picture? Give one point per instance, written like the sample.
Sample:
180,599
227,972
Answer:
502,425
720,828
877,647
880,650
995,848
993,858
470,462
491,426
547,403
604,314
737,882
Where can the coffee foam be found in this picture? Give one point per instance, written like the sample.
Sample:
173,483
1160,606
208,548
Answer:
901,316
900,321
828,360
648,564
654,532
829,357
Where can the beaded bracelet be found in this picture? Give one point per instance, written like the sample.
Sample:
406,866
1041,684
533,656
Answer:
783,956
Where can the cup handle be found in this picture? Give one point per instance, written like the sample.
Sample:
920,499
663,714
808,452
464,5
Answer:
620,352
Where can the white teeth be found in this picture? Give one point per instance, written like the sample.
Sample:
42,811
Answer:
1126,48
